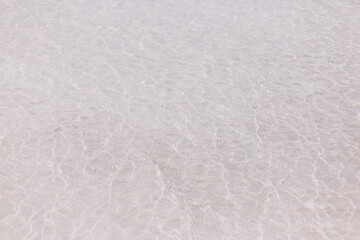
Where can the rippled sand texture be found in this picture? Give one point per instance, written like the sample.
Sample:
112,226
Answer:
190,120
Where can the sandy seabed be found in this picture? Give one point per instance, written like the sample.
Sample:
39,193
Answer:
179,120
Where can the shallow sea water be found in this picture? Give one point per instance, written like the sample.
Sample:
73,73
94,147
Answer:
188,120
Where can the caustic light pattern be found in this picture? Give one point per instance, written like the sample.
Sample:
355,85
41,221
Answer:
179,120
